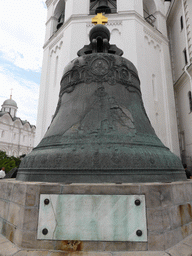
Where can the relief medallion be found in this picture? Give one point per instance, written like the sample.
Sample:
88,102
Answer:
99,67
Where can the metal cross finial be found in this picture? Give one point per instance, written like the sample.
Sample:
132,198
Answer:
99,19
11,93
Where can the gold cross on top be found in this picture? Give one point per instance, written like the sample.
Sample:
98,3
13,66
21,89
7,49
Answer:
99,19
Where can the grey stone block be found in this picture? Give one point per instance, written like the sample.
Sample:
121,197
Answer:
71,246
32,253
154,220
19,193
89,246
50,188
140,254
8,230
80,254
106,189
186,230
132,246
9,190
178,235
112,246
30,219
166,218
171,238
156,242
17,239
157,195
175,217
3,187
29,240
179,193
4,207
16,214
32,194
1,225
188,188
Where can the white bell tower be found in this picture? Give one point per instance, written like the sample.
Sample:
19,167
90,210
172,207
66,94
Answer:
138,27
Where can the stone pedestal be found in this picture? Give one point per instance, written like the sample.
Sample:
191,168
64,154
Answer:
168,214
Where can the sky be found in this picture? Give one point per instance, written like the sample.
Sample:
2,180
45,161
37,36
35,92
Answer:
22,31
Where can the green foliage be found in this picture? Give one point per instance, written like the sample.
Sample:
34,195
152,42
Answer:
9,162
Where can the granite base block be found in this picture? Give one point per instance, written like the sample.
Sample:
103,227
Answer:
168,209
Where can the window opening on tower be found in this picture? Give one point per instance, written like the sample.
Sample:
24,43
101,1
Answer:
60,20
103,6
181,22
59,16
185,56
149,10
190,100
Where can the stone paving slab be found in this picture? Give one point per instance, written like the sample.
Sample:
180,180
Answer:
181,250
8,249
184,248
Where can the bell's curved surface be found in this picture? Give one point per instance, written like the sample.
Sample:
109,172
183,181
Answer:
100,131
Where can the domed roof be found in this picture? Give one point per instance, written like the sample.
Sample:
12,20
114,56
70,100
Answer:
10,102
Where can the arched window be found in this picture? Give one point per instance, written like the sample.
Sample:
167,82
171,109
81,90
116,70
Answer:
103,6
59,15
149,10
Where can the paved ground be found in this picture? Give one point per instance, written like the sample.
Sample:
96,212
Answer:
184,248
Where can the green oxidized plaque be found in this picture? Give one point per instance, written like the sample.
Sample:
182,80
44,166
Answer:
92,218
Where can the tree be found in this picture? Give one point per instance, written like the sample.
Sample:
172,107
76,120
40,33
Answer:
9,162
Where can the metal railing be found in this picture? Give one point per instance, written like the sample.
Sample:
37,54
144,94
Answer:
150,18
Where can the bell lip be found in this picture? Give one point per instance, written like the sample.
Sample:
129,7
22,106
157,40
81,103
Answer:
102,176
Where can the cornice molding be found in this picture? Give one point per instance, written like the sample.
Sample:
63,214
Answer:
56,41
113,21
51,18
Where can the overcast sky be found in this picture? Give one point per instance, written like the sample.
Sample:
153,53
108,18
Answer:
22,30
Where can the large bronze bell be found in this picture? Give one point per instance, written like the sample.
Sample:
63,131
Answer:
103,7
100,131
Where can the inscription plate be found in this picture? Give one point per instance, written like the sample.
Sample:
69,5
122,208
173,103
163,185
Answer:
92,217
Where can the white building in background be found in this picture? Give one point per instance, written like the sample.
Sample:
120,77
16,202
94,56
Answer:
16,136
179,24
139,28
